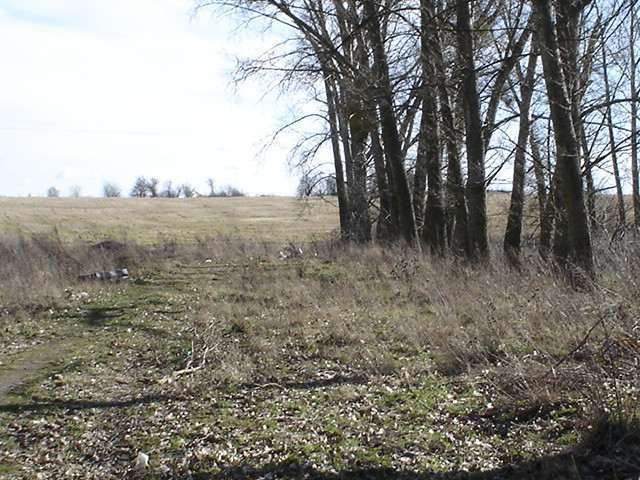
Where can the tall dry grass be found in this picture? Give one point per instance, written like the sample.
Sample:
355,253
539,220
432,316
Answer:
528,333
37,269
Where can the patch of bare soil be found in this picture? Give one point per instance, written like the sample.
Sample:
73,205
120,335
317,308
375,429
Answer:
32,364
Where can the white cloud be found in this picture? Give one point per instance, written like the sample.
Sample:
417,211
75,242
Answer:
94,91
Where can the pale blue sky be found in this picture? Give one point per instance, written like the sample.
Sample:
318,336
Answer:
95,90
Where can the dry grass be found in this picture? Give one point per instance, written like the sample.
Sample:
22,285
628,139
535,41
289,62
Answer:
367,307
152,221
37,269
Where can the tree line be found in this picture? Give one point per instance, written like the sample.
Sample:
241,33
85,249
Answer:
424,102
152,188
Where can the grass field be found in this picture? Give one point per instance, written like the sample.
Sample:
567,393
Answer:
148,221
156,220
219,359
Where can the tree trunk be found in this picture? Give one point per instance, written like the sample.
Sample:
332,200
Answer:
548,219
569,180
420,171
389,124
360,222
566,33
476,191
588,173
538,170
395,209
433,231
546,226
343,126
457,223
343,202
513,233
384,226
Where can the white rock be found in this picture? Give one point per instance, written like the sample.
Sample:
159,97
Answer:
142,461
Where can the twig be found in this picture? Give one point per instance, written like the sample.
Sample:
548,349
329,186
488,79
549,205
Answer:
268,385
189,369
580,344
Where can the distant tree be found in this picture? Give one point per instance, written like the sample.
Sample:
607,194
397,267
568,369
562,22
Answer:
188,191
225,191
329,186
169,191
230,191
211,185
53,192
75,191
308,184
153,186
316,185
141,188
111,190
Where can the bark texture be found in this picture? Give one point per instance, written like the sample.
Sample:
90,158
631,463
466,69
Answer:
476,191
568,179
389,124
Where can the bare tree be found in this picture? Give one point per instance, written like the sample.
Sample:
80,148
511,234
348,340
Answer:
399,107
476,192
429,147
169,191
140,188
111,190
188,191
512,236
211,185
75,191
569,182
389,123
153,186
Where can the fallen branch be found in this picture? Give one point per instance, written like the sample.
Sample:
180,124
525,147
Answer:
188,370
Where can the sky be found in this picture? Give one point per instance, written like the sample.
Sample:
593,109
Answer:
95,90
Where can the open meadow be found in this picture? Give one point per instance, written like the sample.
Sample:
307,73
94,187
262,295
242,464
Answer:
157,220
249,343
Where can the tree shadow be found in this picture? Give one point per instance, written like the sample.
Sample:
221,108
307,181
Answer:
101,316
560,467
73,405
610,451
310,384
500,420
97,317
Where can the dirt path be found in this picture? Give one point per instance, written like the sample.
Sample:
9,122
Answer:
91,325
34,363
